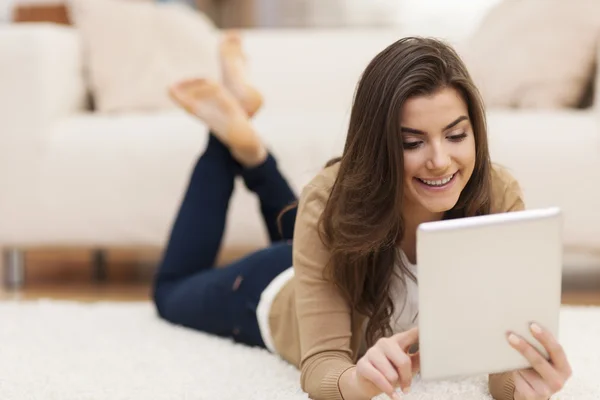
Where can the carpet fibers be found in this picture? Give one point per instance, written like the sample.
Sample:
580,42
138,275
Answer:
55,350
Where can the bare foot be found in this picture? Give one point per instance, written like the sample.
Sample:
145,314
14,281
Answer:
233,65
217,107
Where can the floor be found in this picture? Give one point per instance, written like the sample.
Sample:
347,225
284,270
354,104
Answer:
70,275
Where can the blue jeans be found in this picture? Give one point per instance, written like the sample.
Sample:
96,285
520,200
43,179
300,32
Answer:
187,289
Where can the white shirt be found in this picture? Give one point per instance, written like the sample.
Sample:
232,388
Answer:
405,297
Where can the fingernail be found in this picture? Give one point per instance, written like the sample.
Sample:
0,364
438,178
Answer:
407,389
514,339
536,328
396,396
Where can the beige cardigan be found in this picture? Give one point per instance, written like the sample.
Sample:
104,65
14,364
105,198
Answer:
312,326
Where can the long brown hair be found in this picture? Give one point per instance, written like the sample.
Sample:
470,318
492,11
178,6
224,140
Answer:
362,222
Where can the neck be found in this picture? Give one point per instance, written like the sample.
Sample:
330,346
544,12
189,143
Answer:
414,216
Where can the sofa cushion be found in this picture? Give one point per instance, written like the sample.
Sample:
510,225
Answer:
535,53
136,167
133,50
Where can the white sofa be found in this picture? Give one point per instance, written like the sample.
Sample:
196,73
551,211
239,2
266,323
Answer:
70,177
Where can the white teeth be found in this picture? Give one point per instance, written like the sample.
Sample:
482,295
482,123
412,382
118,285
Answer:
439,182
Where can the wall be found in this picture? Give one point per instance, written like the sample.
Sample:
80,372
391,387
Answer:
459,15
329,13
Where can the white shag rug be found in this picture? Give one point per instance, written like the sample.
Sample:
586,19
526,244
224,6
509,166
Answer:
55,350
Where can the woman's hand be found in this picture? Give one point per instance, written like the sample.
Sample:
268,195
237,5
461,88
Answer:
545,378
387,365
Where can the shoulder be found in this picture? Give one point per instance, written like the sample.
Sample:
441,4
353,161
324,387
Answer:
322,183
326,177
313,200
506,192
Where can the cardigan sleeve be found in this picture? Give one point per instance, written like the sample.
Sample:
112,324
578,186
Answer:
324,317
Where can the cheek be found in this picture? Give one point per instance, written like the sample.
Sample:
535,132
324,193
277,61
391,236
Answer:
412,164
465,154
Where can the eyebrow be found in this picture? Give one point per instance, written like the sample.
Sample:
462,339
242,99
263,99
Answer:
450,125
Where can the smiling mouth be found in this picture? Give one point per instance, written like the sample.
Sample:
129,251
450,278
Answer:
438,182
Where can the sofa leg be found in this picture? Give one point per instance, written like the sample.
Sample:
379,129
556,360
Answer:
14,269
99,265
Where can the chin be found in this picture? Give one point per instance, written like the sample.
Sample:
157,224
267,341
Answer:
440,207
437,205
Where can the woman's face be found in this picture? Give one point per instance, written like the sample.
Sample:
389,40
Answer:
439,150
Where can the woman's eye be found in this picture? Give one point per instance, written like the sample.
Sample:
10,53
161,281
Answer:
411,145
458,137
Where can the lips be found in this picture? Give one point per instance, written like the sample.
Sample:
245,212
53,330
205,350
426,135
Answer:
438,182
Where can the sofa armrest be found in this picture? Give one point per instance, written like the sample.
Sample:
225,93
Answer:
41,77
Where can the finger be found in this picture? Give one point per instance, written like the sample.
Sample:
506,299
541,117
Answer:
401,362
538,362
413,349
373,375
406,339
380,360
539,386
522,389
416,362
555,350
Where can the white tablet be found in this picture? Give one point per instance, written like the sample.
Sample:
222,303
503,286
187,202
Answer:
478,278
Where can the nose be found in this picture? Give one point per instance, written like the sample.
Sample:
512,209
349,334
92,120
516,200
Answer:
439,158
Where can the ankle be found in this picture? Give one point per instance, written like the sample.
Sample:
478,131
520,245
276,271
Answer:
251,158
251,101
244,143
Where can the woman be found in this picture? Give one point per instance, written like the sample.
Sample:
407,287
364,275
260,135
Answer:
345,313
